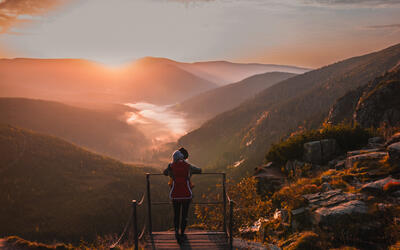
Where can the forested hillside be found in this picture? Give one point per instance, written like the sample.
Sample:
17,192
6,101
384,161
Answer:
51,189
105,132
246,132
210,103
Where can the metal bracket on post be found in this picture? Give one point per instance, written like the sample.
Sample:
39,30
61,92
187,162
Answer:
149,204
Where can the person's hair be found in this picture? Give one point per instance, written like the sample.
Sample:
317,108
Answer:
184,152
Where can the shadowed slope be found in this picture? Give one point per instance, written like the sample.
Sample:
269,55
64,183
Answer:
247,131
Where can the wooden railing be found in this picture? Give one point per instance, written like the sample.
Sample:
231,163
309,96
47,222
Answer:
134,219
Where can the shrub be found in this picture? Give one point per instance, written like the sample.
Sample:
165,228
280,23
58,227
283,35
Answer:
347,137
306,241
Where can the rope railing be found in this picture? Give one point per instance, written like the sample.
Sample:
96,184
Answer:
132,220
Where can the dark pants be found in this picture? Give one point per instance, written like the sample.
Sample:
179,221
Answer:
178,206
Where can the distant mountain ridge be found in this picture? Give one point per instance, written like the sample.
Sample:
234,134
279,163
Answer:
75,80
246,132
225,72
155,80
215,101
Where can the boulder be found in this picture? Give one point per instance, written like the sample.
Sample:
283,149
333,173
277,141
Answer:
375,142
394,152
317,152
331,215
326,186
377,186
340,165
269,179
393,139
313,152
363,151
328,148
372,156
328,198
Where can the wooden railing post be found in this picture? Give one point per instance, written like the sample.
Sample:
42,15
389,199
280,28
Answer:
134,223
231,224
149,204
224,199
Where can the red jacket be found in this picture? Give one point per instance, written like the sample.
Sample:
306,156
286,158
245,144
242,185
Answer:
180,189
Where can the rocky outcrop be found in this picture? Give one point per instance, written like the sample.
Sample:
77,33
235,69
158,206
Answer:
321,151
269,179
371,156
341,212
394,152
377,186
330,206
393,139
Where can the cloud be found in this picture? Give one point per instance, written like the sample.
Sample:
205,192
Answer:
14,12
385,26
362,3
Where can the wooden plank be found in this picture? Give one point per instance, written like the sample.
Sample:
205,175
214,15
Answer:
195,239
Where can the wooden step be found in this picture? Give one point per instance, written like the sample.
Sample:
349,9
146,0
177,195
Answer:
193,240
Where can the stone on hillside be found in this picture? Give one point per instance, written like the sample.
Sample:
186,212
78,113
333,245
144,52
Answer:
372,156
329,198
341,212
269,179
328,147
375,142
340,165
394,152
318,152
363,151
393,139
326,186
313,152
377,186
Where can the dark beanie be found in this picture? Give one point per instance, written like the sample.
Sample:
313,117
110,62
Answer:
184,152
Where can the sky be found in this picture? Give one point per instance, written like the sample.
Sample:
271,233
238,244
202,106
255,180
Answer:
309,33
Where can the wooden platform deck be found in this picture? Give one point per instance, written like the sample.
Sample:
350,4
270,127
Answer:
193,240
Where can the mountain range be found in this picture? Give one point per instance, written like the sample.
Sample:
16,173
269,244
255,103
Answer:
241,137
154,80
208,104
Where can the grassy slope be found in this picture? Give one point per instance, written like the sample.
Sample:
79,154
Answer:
51,189
302,101
101,131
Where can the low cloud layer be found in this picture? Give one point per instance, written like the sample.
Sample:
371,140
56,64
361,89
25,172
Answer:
13,12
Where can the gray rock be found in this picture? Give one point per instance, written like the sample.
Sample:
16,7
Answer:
313,152
377,186
340,165
372,156
394,152
363,151
328,148
329,198
393,139
376,140
341,212
326,186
